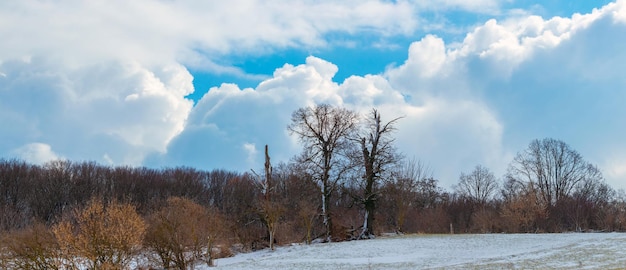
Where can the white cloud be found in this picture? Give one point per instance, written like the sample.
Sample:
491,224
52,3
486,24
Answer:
149,31
38,153
370,90
251,151
107,81
227,118
615,169
458,113
477,6
118,108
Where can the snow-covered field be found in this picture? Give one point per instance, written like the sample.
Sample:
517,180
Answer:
484,251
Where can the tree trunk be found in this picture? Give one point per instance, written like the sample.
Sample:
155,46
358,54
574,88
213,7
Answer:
325,213
369,200
369,220
271,231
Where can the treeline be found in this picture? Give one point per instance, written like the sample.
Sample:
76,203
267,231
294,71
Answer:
412,201
37,200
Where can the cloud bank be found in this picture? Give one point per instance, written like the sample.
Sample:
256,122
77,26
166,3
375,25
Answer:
109,84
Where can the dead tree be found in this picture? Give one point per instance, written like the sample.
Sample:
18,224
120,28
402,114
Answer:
270,210
377,155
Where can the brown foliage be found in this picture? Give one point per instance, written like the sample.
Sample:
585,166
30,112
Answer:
485,221
299,195
411,187
31,248
184,233
428,220
307,214
101,236
522,212
271,213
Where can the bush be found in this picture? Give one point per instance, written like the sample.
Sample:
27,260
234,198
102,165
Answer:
101,236
184,233
31,248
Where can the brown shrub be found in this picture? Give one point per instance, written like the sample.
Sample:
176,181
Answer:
184,233
271,213
523,212
101,236
307,214
31,248
485,221
428,220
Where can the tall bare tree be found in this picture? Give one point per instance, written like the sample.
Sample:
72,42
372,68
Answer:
324,131
270,209
377,156
554,168
479,185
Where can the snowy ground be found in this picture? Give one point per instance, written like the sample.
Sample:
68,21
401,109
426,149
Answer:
484,251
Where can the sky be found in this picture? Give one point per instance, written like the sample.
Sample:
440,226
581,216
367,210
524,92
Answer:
207,84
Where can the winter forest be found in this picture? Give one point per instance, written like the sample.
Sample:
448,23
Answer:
349,183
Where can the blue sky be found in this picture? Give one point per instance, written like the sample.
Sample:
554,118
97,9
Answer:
207,84
348,58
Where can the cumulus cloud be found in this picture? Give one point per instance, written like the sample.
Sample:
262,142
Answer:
476,102
228,117
108,82
250,148
38,153
118,108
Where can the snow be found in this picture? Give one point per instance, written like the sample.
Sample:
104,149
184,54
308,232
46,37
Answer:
484,251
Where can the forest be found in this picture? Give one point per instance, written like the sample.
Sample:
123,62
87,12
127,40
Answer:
350,182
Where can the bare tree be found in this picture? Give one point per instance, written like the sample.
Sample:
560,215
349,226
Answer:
298,193
377,156
240,208
306,214
270,209
554,168
479,185
406,187
16,181
324,131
